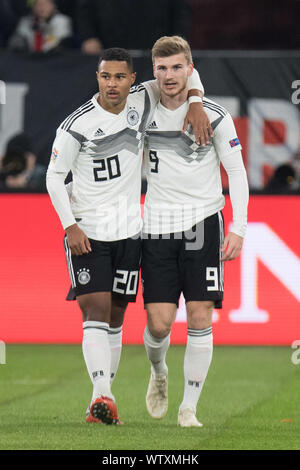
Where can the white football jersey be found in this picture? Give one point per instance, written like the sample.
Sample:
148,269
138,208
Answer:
184,181
104,153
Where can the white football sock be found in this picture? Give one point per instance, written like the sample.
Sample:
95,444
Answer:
197,359
96,353
156,349
115,342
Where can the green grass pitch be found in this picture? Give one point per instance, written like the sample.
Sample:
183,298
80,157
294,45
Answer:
250,401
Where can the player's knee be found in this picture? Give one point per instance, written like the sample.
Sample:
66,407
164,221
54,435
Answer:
94,310
158,327
160,319
95,314
159,331
199,314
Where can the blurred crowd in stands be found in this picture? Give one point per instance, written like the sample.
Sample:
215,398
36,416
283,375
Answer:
19,166
44,25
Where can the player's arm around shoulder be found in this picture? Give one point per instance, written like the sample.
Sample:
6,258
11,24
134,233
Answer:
196,115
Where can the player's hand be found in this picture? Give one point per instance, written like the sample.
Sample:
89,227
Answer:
197,118
77,240
231,247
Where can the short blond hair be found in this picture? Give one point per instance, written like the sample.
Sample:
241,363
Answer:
171,45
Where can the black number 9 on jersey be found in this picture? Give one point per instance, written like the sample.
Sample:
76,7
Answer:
107,169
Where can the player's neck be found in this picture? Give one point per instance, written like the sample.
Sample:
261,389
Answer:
174,102
114,109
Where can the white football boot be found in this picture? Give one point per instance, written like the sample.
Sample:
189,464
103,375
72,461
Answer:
157,396
187,418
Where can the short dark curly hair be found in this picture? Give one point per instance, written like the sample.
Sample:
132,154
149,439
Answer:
118,54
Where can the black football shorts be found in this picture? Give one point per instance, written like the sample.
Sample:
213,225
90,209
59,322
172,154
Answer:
109,267
187,262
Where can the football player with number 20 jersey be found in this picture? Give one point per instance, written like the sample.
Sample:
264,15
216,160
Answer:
183,247
101,143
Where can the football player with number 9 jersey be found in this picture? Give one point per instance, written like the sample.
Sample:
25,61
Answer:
183,241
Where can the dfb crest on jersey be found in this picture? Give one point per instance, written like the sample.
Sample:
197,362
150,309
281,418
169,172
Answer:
83,276
133,117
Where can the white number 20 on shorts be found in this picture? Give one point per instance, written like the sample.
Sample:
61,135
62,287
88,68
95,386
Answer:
126,282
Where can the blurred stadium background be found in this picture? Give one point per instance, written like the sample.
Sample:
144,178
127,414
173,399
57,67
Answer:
248,57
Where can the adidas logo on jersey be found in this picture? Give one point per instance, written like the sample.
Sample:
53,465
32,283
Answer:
99,132
153,125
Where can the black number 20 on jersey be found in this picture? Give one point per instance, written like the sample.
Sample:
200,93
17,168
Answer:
107,168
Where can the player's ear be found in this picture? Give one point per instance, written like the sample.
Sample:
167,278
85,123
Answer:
133,78
190,69
154,70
